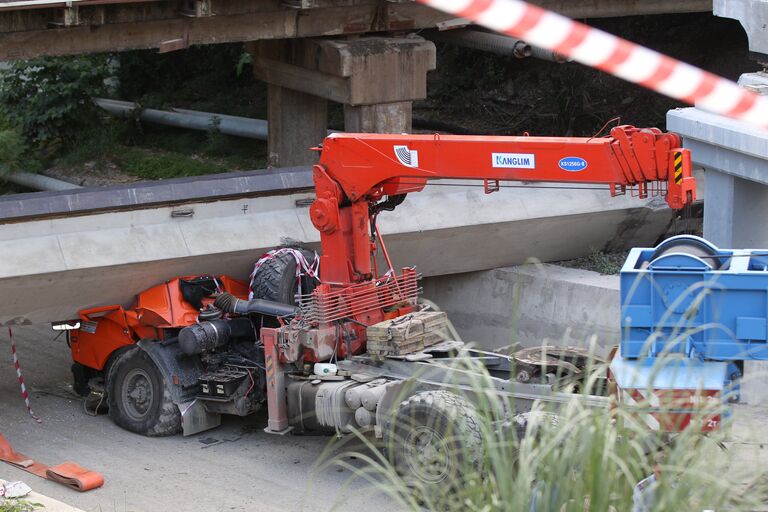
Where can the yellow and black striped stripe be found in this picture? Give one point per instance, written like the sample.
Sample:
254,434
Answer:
678,167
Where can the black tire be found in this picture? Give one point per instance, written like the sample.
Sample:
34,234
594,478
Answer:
436,443
138,398
276,279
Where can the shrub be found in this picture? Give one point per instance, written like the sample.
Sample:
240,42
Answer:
12,150
49,98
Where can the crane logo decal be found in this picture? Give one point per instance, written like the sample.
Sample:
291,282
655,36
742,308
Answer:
513,160
572,164
407,157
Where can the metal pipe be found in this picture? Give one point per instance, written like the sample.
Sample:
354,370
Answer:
192,119
39,181
494,43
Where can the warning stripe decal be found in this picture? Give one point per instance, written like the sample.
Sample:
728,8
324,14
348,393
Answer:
678,167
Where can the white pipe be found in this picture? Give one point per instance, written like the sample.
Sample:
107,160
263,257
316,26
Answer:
39,181
192,119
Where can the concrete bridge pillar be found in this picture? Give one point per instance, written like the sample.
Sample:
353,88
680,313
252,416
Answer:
375,78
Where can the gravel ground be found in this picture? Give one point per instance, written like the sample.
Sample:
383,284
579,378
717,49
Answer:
245,470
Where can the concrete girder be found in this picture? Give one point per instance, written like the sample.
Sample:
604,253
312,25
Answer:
54,266
753,16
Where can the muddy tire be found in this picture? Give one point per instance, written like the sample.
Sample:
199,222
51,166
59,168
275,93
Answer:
138,398
436,443
276,279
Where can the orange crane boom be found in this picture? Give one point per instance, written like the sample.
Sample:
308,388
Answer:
357,171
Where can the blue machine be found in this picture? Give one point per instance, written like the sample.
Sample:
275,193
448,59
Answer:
689,306
688,297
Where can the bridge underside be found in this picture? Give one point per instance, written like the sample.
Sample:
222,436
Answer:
31,28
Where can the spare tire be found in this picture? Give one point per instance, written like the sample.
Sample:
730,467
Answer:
276,279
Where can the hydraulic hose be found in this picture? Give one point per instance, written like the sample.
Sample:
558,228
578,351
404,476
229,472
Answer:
231,304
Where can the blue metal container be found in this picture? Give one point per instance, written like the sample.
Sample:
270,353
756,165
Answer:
688,297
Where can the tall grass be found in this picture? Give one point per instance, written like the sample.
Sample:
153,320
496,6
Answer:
573,457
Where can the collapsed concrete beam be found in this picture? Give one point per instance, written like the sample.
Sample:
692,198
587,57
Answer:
55,266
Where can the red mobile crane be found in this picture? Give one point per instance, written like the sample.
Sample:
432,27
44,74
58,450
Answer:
242,352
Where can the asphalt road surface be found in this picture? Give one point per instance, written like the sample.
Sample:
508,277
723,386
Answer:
241,467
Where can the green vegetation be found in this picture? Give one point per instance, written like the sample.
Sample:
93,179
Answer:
49,99
151,166
16,505
215,78
13,149
575,459
50,121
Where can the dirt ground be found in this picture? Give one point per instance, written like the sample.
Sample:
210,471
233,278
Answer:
472,91
243,469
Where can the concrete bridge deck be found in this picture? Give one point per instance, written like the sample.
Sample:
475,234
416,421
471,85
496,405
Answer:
31,28
70,250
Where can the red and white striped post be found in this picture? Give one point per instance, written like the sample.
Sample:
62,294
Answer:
16,364
613,55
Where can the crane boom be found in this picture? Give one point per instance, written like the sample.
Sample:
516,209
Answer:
357,171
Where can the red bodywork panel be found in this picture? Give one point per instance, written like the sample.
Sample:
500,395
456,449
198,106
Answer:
107,328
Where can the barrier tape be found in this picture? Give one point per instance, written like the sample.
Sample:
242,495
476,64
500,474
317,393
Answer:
606,52
24,392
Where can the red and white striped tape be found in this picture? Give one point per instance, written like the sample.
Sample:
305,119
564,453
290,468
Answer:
24,392
613,55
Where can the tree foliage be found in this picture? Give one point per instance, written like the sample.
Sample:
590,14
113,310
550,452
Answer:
49,98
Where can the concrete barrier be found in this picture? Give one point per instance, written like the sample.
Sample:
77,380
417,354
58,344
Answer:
531,304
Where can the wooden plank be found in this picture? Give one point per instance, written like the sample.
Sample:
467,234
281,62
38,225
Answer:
280,24
301,79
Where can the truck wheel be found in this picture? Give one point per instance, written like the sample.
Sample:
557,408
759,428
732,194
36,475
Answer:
437,440
138,398
276,279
